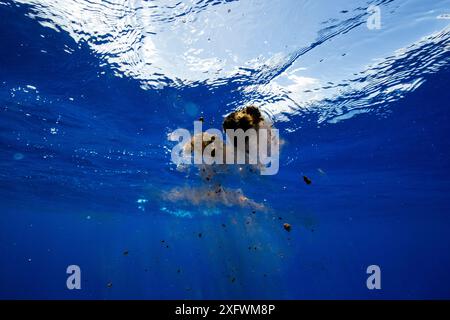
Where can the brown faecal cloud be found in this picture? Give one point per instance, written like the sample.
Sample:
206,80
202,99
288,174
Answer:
208,196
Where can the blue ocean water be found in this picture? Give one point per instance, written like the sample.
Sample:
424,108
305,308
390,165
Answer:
90,90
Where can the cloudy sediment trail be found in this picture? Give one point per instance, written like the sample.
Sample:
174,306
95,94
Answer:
184,44
211,197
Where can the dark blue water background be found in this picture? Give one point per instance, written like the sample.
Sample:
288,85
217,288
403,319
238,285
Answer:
84,157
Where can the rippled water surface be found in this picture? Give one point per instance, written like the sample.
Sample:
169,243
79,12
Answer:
90,91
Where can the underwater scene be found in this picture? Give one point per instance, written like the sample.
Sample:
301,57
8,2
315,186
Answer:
116,124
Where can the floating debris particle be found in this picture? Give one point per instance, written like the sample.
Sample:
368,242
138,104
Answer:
200,235
287,227
109,284
307,180
125,253
233,279
223,225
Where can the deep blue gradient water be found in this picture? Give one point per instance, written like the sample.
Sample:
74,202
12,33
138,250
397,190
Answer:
89,91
